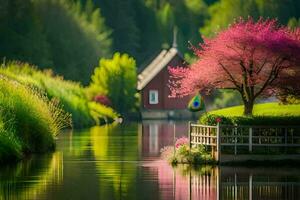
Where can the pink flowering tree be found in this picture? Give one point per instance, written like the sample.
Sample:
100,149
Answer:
253,58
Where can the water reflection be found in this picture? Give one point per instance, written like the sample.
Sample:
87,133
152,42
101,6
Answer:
158,134
122,162
226,183
29,179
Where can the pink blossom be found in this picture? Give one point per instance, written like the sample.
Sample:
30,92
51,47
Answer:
181,141
251,57
102,99
218,119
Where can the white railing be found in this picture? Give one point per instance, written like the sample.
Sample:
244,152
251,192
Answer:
205,135
249,139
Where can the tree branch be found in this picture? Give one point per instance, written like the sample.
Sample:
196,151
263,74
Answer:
230,75
272,76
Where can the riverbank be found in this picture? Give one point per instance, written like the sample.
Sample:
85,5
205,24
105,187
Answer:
69,94
36,106
28,121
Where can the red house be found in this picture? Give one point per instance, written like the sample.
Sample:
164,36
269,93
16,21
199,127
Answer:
153,86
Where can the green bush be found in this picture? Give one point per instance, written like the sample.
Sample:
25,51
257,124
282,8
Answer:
29,121
183,155
116,79
71,95
101,114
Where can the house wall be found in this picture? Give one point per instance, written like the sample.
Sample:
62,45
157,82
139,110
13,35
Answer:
160,83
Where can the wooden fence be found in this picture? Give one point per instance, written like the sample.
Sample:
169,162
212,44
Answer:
237,140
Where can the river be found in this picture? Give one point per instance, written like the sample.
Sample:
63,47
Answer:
122,162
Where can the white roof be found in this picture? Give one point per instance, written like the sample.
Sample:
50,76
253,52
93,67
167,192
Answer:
155,67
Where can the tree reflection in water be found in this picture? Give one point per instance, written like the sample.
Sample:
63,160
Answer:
122,162
207,182
29,178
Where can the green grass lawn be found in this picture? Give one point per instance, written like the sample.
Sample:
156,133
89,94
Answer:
263,114
264,109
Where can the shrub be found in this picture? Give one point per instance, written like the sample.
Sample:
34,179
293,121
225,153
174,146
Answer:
116,78
211,119
181,142
71,95
264,114
29,121
183,154
101,113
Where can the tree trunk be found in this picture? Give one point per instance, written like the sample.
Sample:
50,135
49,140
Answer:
248,107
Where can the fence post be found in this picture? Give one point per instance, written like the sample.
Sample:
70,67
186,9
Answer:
235,140
174,139
218,143
285,139
250,139
190,137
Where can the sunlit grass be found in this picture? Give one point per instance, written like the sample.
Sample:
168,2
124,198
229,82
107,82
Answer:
264,109
29,121
71,95
263,114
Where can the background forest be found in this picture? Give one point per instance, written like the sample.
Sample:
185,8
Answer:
70,36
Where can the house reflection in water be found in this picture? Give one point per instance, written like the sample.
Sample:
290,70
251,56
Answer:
211,183
214,183
158,134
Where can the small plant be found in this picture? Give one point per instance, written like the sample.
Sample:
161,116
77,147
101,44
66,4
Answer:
184,155
181,141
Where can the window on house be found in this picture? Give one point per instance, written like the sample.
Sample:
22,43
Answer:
153,97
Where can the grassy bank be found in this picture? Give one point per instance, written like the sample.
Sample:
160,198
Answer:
36,105
28,121
71,95
263,114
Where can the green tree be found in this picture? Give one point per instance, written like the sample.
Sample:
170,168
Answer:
77,35
116,78
21,33
282,10
186,15
121,18
223,12
294,22
150,38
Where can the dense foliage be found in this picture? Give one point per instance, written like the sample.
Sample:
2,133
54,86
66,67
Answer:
232,9
71,95
252,58
116,79
28,120
65,34
71,35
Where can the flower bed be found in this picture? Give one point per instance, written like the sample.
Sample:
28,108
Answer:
181,153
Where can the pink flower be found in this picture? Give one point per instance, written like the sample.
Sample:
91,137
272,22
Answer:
181,141
218,119
102,99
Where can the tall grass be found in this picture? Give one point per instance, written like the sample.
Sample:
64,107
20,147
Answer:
71,95
28,120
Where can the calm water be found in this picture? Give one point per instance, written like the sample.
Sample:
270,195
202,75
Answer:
122,162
